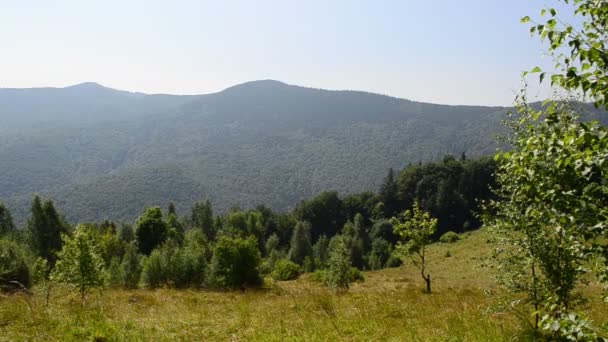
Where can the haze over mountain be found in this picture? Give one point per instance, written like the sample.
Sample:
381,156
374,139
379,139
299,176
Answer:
104,153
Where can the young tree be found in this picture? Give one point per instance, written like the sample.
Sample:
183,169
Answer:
150,229
300,246
6,221
415,231
551,211
79,262
338,273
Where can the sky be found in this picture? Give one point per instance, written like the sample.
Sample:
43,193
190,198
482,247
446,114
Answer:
439,51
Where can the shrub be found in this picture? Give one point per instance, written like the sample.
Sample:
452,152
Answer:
285,270
355,275
13,266
449,237
235,263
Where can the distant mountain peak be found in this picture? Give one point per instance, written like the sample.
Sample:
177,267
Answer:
258,85
86,85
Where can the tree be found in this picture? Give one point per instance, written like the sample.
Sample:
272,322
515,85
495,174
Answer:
551,209
320,252
46,228
6,221
353,239
324,212
415,230
130,267
338,273
235,263
79,262
300,246
202,218
388,194
150,229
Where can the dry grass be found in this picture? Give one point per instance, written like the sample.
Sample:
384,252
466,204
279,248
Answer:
388,306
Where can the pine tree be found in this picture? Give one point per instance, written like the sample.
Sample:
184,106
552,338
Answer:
301,246
388,194
46,226
6,221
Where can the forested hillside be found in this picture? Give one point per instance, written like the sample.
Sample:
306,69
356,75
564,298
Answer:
88,147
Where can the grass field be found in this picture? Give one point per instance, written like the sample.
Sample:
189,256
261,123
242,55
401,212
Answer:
388,306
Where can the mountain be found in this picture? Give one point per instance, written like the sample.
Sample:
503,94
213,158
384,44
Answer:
103,153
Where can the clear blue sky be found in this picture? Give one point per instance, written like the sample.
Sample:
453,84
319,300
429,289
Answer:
442,51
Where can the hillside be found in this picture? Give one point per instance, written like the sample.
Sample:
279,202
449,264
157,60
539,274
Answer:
389,305
258,142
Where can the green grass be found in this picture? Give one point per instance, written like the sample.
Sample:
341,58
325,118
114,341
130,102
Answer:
388,306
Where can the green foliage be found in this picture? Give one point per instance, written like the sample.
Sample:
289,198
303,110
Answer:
551,215
13,266
45,227
388,194
320,252
449,237
449,190
355,275
353,239
286,270
300,246
380,254
126,233
175,266
585,67
130,267
235,263
339,268
150,229
324,212
415,230
201,217
80,263
6,221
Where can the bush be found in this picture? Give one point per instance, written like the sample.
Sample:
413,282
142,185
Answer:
235,263
449,237
355,275
285,270
13,266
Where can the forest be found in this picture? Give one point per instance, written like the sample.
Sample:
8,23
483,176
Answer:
200,249
509,247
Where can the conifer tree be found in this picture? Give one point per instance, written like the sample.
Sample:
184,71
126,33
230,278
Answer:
301,246
6,221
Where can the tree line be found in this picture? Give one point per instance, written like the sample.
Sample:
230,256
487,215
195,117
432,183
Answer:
326,235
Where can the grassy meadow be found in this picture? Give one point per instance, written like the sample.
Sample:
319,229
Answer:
465,305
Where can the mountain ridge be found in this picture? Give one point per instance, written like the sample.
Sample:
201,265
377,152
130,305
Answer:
262,142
